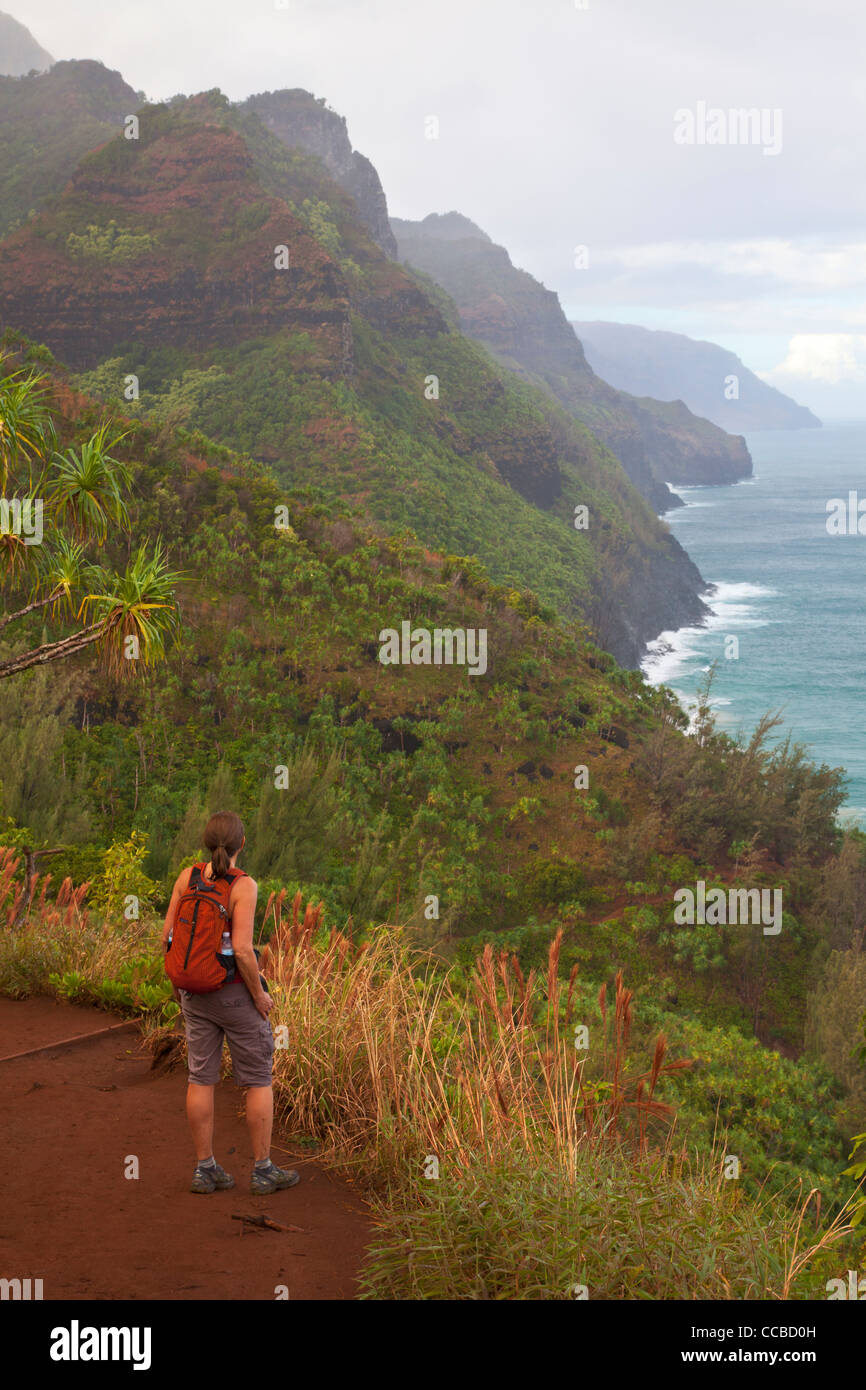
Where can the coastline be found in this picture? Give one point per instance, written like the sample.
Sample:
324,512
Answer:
777,597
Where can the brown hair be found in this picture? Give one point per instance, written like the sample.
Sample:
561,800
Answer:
223,836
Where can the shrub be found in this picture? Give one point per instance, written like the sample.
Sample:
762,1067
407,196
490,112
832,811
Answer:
520,1228
123,878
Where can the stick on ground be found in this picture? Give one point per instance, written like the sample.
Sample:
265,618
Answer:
268,1224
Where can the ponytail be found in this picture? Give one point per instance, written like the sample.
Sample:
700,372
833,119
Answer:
219,861
223,836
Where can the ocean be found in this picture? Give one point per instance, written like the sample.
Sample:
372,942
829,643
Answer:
792,595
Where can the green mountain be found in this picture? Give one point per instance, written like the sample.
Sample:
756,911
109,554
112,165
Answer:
49,121
523,323
19,51
233,284
710,380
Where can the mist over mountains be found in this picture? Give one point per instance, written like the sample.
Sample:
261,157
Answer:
711,381
523,324
19,51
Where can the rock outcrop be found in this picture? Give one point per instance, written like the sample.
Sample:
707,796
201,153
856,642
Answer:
305,122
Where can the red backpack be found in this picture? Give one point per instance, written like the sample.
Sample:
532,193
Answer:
194,960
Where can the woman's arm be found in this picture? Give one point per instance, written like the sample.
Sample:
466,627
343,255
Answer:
245,895
180,885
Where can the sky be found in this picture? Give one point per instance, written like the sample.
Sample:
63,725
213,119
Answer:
598,140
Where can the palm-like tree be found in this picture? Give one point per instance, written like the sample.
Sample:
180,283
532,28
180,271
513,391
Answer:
60,571
86,486
139,604
63,569
26,428
81,490
137,610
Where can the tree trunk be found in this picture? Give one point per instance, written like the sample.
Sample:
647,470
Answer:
53,651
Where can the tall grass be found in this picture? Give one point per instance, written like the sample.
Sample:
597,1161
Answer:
501,1162
385,1062
504,1163
610,1225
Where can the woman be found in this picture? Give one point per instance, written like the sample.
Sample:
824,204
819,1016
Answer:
237,1011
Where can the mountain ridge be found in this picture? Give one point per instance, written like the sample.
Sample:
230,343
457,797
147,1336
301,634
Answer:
664,365
523,323
49,123
19,51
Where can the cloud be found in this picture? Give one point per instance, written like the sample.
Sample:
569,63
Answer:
803,266
557,129
833,359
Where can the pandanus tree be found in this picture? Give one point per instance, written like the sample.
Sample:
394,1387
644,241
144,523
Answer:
65,506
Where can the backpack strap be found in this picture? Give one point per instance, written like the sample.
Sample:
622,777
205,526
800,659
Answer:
197,876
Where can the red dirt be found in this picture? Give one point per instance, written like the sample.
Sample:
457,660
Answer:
69,1119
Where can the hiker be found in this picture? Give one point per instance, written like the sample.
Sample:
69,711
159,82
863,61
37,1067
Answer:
210,960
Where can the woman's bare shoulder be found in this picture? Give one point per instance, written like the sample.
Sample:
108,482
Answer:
181,883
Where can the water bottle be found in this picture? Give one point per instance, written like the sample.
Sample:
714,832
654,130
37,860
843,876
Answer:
227,956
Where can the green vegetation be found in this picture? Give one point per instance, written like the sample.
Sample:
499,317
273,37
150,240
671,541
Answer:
109,243
322,370
503,1162
412,785
76,495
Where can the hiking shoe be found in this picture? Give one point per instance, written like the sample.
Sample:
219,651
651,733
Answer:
266,1180
209,1179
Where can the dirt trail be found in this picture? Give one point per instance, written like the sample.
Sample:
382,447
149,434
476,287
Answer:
68,1120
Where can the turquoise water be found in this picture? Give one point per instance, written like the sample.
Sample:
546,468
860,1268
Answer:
792,594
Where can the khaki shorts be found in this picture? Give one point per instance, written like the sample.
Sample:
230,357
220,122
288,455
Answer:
231,1014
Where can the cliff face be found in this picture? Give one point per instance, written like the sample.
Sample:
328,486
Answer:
684,449
300,120
523,323
171,238
673,367
50,120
